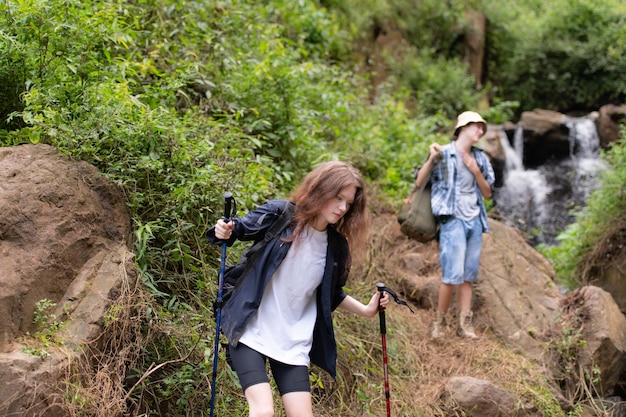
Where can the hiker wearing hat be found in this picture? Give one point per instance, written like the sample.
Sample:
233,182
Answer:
461,176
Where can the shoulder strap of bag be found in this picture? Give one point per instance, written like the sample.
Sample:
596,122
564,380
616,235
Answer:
249,255
445,171
281,222
442,159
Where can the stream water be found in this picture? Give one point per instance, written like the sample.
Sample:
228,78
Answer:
542,201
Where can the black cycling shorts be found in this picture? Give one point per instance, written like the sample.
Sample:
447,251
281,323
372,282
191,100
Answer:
250,366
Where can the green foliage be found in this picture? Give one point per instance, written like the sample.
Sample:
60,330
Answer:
364,14
389,152
429,23
44,319
429,64
319,34
441,85
500,111
47,328
560,55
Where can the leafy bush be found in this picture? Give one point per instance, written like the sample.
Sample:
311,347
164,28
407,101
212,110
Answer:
440,86
560,55
428,64
429,25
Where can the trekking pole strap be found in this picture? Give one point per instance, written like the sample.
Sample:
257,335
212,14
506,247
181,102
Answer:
382,288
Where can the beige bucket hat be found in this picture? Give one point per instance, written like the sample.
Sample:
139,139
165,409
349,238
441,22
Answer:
466,118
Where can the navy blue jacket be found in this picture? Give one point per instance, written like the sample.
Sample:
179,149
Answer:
245,300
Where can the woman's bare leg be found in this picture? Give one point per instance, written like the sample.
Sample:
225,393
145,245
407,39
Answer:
298,404
260,401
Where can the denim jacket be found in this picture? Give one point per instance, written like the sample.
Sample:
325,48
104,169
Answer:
444,182
245,300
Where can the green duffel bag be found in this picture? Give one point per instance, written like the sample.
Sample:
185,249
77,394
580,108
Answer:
416,217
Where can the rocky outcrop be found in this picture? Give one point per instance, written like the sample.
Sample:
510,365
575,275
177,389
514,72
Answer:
515,296
547,134
603,328
63,240
482,399
516,292
517,299
609,117
56,215
608,271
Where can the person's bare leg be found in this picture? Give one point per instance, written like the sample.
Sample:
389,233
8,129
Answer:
445,297
260,401
438,328
464,296
298,404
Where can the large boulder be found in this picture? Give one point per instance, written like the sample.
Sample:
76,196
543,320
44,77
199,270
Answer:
605,267
516,293
481,398
609,118
545,136
64,235
593,311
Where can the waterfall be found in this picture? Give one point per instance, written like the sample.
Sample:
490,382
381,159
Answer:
518,140
583,138
523,195
514,157
540,201
585,152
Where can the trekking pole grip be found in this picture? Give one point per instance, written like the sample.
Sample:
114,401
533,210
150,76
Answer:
381,289
229,203
381,310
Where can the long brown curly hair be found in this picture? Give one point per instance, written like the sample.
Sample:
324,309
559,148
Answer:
324,183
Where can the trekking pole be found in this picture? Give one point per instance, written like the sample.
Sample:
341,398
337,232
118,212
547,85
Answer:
383,334
230,208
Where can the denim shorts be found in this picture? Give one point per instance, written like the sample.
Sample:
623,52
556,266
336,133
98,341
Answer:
460,243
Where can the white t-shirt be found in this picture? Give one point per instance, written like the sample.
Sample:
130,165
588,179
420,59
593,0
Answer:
467,207
282,328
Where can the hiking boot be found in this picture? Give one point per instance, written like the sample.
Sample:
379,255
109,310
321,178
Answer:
438,330
465,328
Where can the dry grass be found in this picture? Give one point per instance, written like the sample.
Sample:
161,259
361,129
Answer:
95,384
607,249
418,367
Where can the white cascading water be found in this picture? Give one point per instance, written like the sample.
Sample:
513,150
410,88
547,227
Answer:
585,152
540,201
